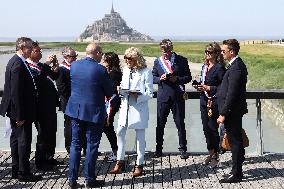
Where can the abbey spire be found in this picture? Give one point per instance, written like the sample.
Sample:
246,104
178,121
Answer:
112,9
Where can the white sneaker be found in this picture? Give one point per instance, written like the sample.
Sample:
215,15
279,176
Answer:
111,157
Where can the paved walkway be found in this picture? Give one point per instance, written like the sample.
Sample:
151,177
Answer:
166,172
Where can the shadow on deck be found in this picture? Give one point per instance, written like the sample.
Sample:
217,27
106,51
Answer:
167,172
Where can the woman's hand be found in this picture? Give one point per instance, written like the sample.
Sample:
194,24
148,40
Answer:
135,95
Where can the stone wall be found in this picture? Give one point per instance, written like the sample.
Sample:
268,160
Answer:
273,110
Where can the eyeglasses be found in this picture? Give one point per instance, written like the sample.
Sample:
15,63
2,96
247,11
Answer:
208,52
128,58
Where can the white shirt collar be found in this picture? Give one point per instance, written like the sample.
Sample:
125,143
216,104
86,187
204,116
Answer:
233,59
67,62
21,57
31,62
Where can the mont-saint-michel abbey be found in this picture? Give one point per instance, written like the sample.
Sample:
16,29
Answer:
111,28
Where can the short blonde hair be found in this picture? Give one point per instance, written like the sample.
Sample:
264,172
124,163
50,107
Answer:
135,53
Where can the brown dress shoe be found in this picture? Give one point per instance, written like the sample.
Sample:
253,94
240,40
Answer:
119,166
138,170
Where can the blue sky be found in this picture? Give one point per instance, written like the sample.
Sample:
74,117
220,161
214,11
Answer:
52,18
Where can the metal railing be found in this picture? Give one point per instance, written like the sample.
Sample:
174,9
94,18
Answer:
251,94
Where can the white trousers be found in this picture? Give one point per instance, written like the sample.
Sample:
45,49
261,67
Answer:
140,144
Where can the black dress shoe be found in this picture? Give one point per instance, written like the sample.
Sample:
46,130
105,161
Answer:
53,161
75,185
29,177
45,167
158,154
184,155
231,179
95,184
15,175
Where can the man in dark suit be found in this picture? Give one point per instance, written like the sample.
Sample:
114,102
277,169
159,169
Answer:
63,84
90,83
46,118
171,72
232,105
19,104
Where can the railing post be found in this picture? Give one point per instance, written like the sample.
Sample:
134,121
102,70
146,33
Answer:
259,143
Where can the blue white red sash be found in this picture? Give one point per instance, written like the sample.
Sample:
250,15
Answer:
35,68
65,65
109,105
203,73
203,78
166,66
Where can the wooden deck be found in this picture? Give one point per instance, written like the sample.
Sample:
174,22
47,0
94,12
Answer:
167,172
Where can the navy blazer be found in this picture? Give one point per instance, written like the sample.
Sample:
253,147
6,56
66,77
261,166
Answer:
214,79
47,94
19,97
168,90
63,83
231,95
90,83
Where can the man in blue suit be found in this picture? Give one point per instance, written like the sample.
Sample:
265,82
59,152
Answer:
90,83
171,73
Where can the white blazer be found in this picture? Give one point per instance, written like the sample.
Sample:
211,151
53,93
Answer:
134,113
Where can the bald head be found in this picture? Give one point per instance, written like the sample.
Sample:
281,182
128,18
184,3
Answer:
94,51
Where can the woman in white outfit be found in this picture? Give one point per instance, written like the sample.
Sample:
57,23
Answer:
136,89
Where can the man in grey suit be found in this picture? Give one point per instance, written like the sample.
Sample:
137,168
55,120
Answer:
232,105
90,83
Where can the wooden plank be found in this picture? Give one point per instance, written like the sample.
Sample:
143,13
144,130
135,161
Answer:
119,178
276,161
157,172
191,177
147,179
176,177
50,178
166,171
14,183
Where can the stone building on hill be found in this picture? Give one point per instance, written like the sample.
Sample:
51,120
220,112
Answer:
111,28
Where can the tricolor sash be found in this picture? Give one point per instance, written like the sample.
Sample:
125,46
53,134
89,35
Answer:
35,68
203,78
109,105
65,65
165,65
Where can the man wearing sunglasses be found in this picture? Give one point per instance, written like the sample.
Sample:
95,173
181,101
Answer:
63,84
232,105
171,73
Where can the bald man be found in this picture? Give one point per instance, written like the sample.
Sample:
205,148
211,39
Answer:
90,83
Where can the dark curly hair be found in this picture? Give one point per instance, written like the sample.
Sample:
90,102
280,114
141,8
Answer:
113,61
215,47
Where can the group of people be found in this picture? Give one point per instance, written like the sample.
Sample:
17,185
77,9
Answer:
92,90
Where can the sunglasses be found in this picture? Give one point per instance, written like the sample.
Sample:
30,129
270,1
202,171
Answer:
208,52
128,58
74,56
